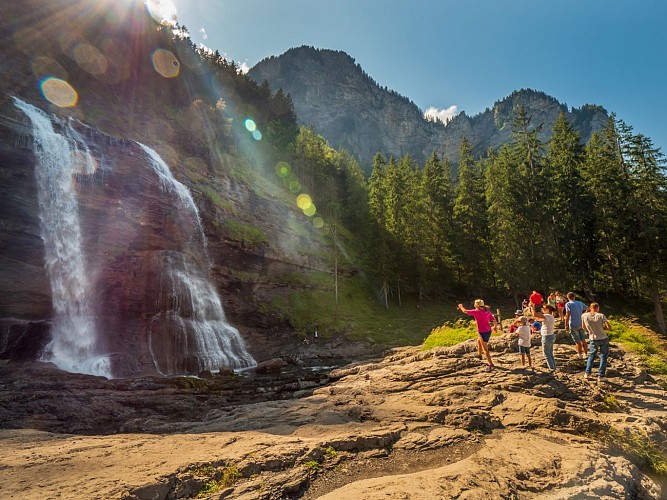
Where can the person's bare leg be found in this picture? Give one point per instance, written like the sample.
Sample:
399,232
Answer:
485,348
530,361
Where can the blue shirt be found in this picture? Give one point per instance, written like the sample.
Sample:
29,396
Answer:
576,308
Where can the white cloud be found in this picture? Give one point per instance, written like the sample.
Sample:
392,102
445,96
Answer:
203,33
243,67
443,115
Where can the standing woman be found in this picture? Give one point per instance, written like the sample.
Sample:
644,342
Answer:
484,318
546,316
560,304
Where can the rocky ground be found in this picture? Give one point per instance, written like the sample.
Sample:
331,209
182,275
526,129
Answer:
414,424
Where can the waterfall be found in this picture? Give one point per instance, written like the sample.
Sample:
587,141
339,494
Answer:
191,310
74,336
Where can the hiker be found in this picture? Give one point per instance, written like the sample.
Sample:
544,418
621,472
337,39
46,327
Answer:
595,323
523,332
573,311
551,299
536,300
560,306
483,318
547,331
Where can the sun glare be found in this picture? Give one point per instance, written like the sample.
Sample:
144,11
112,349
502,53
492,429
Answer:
163,11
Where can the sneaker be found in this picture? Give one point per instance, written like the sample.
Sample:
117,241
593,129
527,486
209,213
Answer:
601,379
581,356
489,368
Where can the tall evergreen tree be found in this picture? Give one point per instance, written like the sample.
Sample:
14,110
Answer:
470,222
571,206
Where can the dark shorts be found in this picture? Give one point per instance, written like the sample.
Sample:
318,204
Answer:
485,336
524,350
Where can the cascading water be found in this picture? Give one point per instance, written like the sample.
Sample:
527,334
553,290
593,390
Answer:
74,341
192,313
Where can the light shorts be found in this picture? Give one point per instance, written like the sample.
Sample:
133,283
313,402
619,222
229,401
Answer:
524,350
485,336
578,334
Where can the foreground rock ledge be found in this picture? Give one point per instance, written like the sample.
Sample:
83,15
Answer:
458,431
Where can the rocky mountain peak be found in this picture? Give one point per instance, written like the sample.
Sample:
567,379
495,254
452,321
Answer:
339,100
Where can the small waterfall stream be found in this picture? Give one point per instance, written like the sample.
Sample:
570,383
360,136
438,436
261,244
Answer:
191,308
74,334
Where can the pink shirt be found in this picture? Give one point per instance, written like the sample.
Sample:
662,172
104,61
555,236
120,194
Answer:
483,318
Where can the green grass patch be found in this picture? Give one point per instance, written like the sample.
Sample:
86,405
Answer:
217,200
450,334
228,476
361,315
638,447
647,344
243,232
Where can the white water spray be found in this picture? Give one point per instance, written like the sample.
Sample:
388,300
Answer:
193,315
74,337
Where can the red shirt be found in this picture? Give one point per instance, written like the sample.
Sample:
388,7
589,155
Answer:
536,298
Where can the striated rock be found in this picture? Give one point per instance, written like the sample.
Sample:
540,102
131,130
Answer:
414,424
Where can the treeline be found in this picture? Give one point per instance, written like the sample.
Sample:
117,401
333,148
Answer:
531,215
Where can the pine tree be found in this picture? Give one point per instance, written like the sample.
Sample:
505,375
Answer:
571,205
379,245
470,221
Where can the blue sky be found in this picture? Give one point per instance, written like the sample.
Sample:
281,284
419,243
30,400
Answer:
468,54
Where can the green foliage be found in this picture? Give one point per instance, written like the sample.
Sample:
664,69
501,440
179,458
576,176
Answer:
228,476
610,403
250,235
639,447
651,348
450,334
311,465
330,453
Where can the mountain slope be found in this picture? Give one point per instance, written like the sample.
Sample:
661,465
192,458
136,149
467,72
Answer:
341,102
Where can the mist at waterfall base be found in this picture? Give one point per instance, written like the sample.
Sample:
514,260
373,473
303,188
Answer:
182,329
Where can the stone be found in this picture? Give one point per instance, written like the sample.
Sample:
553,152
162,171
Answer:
271,366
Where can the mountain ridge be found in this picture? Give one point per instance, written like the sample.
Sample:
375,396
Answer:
339,100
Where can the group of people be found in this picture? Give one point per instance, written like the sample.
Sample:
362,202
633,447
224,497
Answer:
540,316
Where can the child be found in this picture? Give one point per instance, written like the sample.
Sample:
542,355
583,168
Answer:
523,332
517,314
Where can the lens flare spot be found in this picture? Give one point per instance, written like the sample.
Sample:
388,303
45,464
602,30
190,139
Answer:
166,63
310,210
90,59
318,222
257,135
303,201
283,169
294,186
250,125
163,11
59,92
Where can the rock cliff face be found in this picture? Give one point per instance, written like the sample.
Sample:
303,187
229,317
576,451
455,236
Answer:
151,262
138,240
333,94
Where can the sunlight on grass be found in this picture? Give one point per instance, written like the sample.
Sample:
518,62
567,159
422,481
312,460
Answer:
451,334
643,342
